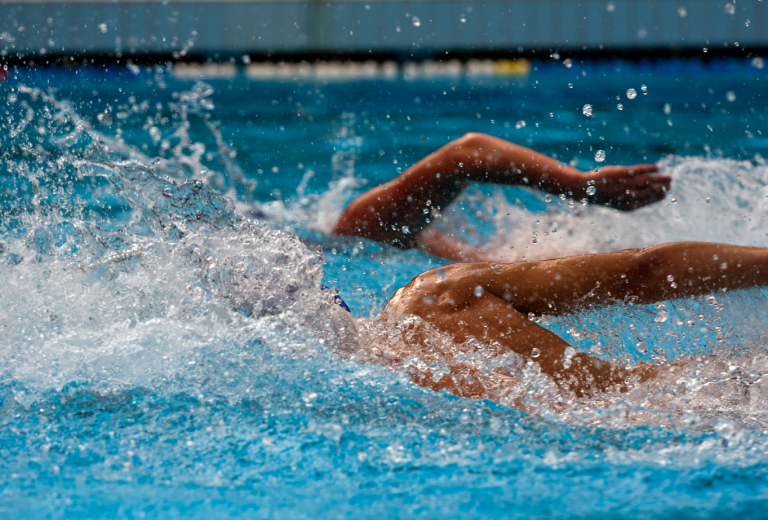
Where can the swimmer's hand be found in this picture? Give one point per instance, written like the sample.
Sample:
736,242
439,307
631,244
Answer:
625,187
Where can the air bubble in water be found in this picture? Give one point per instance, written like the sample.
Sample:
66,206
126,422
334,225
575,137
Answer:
730,96
567,363
103,28
758,62
642,347
416,21
569,352
644,89
620,106
535,353
548,197
520,124
587,110
730,9
667,108
479,291
570,85
631,93
591,190
600,155
682,11
568,63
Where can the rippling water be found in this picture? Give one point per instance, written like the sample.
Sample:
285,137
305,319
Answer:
164,356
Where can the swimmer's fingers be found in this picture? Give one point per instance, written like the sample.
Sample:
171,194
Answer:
641,169
638,198
644,181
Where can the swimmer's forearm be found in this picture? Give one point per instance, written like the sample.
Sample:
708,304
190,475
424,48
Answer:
642,275
483,158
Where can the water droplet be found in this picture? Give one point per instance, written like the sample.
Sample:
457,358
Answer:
682,11
620,106
531,316
463,19
568,64
600,155
591,190
416,21
642,347
631,93
610,7
478,291
520,124
662,316
569,352
758,62
730,8
730,96
587,110
406,230
103,27
570,85
567,363
644,89
723,266
667,108
747,22
548,197
670,278
535,353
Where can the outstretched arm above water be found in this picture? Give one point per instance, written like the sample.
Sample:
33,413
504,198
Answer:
493,302
394,212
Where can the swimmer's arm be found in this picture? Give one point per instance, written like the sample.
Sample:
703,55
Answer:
449,298
395,212
647,275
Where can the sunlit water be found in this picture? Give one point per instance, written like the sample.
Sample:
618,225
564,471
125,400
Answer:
163,356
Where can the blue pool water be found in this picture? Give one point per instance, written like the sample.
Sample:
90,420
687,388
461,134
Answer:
163,357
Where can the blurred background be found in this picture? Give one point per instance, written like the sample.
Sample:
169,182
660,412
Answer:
294,30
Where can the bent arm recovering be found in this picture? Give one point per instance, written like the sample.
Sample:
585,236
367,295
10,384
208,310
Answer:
397,211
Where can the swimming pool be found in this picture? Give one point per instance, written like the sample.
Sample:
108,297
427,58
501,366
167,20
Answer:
133,386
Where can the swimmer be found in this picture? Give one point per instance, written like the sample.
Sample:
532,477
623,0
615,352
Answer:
394,213
494,304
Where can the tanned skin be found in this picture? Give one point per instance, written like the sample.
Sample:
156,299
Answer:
448,297
383,212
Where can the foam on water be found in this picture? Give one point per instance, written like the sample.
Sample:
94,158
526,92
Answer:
150,300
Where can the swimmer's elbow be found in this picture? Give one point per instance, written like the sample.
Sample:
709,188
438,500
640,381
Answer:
472,141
